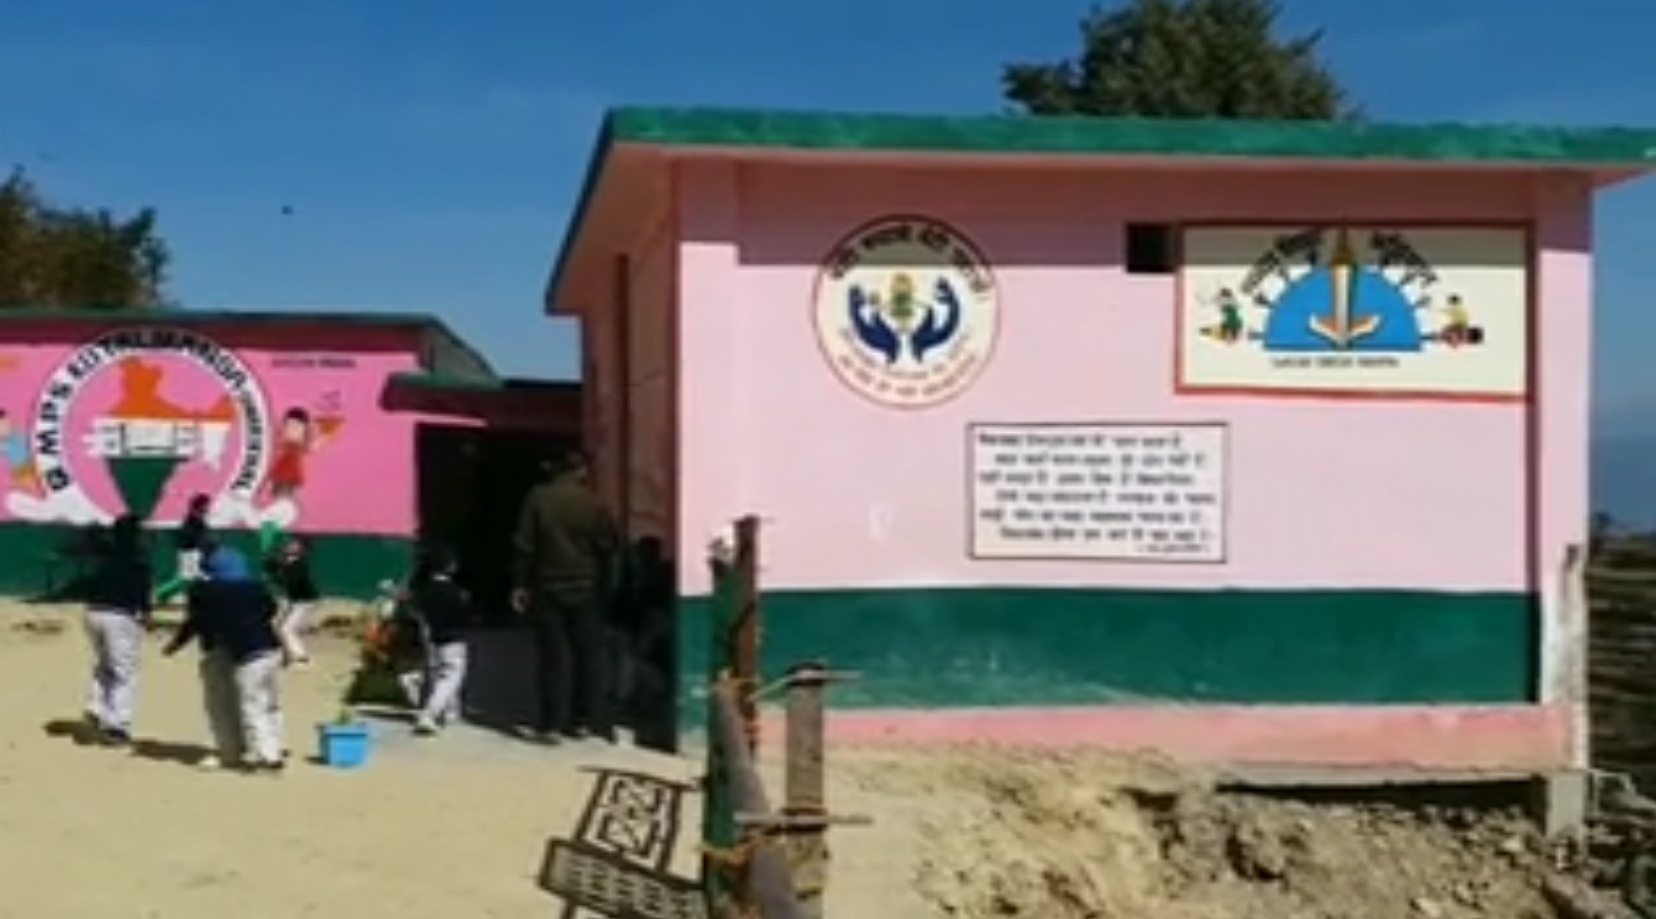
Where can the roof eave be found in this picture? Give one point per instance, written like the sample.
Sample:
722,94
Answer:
1608,156
562,266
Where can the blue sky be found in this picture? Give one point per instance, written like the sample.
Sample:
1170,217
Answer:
430,155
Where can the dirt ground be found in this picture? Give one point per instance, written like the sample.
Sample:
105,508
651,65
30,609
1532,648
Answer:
460,826
1086,836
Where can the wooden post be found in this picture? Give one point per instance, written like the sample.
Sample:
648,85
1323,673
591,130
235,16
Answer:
763,886
719,830
747,632
805,786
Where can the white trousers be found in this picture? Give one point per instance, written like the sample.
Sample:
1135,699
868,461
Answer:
117,647
436,690
222,703
258,690
290,624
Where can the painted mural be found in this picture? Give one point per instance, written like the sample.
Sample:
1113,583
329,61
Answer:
1433,311
139,419
906,311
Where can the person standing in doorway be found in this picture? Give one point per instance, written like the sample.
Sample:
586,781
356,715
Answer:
117,612
563,571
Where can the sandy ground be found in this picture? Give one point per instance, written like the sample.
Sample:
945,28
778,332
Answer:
461,826
458,826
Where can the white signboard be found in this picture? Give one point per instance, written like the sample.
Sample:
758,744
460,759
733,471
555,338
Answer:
1355,309
1104,492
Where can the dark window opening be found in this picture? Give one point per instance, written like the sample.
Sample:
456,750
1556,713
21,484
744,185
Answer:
1150,248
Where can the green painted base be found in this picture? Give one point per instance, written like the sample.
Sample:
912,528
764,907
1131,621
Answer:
984,647
346,566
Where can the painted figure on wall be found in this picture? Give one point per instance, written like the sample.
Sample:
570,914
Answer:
15,453
1231,327
138,420
902,324
302,433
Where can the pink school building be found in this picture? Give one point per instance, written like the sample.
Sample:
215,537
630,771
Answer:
1259,443
356,431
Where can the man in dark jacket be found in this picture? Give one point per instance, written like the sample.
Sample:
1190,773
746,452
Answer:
563,572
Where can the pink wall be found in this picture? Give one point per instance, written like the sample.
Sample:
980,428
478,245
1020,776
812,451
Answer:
1325,493
219,414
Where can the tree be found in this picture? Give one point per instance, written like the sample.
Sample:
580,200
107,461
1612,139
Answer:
1185,59
1600,528
76,258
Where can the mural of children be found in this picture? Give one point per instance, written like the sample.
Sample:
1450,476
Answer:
300,435
15,455
1459,320
1231,326
293,446
1458,329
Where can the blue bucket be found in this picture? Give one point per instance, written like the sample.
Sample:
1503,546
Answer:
345,746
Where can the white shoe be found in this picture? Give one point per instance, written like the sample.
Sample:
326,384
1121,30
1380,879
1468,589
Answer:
210,763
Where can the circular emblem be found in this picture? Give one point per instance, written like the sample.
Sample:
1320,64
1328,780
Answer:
906,311
139,419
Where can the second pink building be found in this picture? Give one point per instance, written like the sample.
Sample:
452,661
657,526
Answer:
1251,442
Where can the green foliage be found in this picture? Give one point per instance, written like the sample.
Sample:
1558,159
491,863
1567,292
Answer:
76,258
1185,59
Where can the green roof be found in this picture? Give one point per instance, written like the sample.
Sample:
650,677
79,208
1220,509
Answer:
449,353
1046,136
437,382
759,132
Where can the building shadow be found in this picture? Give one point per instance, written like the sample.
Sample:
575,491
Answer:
500,690
617,861
500,680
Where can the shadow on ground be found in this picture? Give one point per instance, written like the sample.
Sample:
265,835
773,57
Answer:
82,734
500,691
617,860
500,681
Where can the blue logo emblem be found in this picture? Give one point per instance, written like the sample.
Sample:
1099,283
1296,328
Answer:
906,311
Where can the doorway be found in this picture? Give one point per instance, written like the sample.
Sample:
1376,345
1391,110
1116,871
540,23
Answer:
471,484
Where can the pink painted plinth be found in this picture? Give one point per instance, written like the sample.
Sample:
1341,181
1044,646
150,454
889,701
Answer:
1444,738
